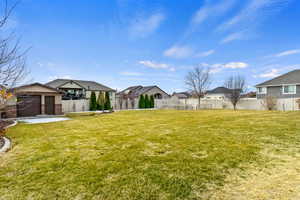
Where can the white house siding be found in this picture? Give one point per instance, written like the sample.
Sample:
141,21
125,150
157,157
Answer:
215,96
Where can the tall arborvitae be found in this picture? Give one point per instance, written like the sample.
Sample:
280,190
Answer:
93,102
107,105
147,101
142,102
151,101
100,101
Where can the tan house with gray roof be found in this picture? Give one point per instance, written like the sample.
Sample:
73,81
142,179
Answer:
80,89
129,98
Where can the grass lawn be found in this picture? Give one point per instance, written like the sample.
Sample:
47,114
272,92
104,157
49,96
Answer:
149,155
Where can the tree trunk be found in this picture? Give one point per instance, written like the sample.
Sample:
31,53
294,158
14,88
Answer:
234,106
199,101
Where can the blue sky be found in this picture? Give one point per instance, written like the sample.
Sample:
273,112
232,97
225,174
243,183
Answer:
122,43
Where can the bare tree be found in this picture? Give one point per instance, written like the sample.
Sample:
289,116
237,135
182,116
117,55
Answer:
198,81
237,86
270,102
12,57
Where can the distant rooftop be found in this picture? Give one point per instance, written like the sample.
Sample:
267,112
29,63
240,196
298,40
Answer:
182,95
136,91
219,90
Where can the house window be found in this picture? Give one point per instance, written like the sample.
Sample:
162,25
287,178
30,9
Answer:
289,89
157,96
262,90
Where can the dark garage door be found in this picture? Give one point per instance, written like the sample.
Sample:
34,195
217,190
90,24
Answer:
28,106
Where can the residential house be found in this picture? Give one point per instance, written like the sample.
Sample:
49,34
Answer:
285,88
219,93
249,95
80,89
181,95
128,98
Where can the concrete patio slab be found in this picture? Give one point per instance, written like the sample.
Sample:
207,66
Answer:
43,120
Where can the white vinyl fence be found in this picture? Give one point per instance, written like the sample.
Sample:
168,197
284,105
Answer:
244,104
75,105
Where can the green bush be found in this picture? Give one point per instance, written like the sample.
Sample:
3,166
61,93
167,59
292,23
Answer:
93,102
100,101
147,101
142,102
107,105
151,101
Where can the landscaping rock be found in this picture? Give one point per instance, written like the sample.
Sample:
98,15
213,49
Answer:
1,142
6,145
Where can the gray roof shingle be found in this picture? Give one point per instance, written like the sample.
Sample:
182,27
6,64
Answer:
182,95
292,77
88,85
138,90
219,90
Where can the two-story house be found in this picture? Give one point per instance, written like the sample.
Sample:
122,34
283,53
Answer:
80,89
284,87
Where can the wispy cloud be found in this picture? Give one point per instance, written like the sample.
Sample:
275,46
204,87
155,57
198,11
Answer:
271,71
178,52
270,74
131,74
209,10
233,36
287,53
142,27
181,52
253,13
218,67
236,65
155,65
244,25
205,53
46,64
51,78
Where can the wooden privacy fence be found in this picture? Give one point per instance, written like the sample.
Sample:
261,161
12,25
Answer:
244,104
75,105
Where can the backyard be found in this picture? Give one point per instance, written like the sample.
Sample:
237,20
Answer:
166,154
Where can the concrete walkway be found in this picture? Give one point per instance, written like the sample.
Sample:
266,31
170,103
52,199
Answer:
43,120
